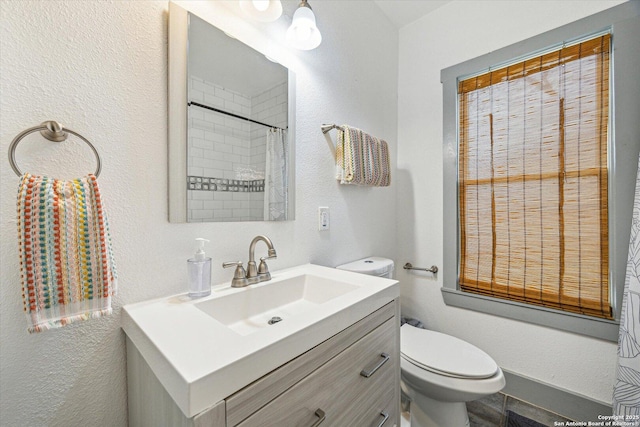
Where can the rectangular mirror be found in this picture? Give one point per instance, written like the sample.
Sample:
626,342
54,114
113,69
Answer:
231,116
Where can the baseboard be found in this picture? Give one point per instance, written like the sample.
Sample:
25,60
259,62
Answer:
555,399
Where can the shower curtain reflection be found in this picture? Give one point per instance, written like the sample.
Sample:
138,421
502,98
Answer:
276,173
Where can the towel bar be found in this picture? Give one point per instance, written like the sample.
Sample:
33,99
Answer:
433,269
327,127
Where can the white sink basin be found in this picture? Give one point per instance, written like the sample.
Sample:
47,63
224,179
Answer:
203,350
250,311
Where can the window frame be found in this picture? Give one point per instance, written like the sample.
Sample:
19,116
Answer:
621,21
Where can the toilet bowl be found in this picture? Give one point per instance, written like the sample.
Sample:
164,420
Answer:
440,373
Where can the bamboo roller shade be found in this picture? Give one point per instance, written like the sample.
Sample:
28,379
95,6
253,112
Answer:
533,180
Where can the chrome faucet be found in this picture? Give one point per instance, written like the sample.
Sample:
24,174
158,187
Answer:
261,273
240,276
253,274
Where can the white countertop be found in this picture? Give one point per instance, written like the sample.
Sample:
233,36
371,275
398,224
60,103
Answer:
200,361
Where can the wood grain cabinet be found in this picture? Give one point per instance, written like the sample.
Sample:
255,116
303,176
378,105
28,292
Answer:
352,379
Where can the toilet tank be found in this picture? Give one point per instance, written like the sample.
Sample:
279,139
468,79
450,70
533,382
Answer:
373,266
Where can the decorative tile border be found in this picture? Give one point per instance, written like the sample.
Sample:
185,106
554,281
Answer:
221,184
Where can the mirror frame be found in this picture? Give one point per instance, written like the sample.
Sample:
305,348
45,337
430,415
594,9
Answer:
177,119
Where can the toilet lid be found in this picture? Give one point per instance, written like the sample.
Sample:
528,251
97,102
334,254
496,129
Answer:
445,354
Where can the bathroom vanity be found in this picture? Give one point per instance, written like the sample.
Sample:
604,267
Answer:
333,359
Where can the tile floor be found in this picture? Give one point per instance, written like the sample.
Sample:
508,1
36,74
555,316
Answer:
491,412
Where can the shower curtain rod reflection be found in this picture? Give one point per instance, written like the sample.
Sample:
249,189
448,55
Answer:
197,104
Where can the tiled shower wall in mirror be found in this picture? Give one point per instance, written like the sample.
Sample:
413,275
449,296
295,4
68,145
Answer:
226,155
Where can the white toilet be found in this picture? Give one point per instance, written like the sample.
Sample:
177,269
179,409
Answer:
439,372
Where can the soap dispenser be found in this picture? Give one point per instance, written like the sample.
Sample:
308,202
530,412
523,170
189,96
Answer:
199,272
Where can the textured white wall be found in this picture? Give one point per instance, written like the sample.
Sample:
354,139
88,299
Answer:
100,68
456,32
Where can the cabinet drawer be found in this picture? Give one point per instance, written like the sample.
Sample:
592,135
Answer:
338,390
385,413
245,402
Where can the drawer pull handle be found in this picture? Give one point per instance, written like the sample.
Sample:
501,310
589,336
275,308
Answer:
320,414
367,374
386,417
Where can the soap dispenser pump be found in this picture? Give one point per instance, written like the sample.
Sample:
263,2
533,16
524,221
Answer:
199,272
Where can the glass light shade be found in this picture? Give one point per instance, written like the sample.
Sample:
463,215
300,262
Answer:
262,10
261,5
303,33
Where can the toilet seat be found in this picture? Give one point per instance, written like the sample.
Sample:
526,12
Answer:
444,355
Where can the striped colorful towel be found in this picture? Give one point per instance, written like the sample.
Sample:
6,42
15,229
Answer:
67,267
362,159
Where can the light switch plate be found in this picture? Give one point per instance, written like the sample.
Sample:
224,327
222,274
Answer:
323,218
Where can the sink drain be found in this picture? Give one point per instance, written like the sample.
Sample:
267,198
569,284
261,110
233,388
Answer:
274,320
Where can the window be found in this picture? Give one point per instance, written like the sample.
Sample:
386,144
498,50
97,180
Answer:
521,291
533,193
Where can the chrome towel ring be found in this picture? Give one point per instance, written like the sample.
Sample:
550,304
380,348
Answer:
53,131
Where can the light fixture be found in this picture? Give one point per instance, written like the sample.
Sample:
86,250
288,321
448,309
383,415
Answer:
262,10
303,33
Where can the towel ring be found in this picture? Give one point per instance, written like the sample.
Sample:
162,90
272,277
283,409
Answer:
53,131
